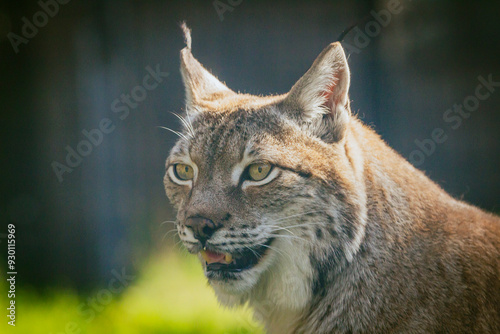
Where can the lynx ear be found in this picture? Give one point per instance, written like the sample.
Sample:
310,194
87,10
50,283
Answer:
320,97
200,84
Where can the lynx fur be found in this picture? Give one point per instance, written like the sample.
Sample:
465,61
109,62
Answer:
362,242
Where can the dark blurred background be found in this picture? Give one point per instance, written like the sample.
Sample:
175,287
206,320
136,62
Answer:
107,212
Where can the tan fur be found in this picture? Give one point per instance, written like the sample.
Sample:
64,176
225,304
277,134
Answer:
363,241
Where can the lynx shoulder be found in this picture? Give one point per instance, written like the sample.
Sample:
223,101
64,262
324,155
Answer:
298,209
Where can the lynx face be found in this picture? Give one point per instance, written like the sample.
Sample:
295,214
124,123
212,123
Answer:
242,186
260,183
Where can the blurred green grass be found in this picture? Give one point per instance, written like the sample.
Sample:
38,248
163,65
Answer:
170,295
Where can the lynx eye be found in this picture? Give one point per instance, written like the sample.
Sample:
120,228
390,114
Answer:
184,172
259,171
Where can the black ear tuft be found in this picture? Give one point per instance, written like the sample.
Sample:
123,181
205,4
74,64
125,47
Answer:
187,34
200,84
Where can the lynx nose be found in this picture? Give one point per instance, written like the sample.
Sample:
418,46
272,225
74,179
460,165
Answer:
203,228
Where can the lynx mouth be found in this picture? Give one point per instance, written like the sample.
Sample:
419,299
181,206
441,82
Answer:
225,263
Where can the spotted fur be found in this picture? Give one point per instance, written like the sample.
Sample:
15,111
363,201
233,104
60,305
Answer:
362,241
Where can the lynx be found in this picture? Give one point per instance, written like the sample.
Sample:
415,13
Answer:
297,209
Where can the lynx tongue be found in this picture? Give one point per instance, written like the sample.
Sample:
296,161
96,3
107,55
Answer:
213,257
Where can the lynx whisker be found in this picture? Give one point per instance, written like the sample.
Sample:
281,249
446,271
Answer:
299,215
176,132
279,228
169,233
253,251
277,250
186,124
288,236
189,119
306,224
167,221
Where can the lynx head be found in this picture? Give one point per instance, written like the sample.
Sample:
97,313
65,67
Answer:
265,186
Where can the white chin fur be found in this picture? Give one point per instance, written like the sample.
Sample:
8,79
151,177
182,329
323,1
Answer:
248,279
281,280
